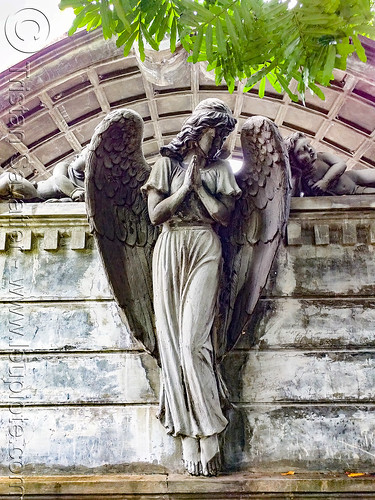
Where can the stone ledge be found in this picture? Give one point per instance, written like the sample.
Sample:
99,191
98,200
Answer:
176,486
41,210
75,209
312,220
58,225
365,202
343,220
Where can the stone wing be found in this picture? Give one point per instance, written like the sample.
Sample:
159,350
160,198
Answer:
258,225
118,217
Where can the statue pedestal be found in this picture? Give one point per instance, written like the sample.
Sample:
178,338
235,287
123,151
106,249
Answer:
80,396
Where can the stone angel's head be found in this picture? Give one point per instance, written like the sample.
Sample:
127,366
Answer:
79,161
209,114
301,154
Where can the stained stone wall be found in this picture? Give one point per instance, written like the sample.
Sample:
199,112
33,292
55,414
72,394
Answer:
80,395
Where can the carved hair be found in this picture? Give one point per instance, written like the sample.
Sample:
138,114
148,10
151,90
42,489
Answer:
300,184
210,113
291,142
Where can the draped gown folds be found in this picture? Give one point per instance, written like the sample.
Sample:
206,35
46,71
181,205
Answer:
187,266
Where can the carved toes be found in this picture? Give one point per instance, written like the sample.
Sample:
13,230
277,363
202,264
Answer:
193,468
213,466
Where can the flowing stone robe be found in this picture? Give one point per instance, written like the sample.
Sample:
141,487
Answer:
187,265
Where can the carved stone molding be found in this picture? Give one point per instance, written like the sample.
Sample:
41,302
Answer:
45,226
342,220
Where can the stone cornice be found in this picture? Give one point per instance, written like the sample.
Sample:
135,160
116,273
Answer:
21,225
345,220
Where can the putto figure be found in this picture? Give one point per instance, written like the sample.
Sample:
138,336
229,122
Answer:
65,184
324,174
209,260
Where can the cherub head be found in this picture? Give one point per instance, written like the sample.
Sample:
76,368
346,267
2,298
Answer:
79,161
301,154
209,114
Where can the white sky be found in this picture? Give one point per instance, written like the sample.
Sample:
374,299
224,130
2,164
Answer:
27,26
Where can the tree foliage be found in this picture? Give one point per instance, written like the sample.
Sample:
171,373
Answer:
251,40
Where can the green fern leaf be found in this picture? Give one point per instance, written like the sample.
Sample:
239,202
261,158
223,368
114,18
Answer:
329,64
79,20
119,9
271,77
359,49
94,23
149,38
141,46
285,85
262,87
208,41
197,44
152,9
173,34
202,13
317,91
220,38
231,30
155,26
238,21
129,42
163,27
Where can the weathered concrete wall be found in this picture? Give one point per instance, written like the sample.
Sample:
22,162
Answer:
80,395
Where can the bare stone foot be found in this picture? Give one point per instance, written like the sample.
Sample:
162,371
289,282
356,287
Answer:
210,455
78,195
191,455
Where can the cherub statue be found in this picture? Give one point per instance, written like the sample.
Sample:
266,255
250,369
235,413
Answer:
65,184
324,174
187,248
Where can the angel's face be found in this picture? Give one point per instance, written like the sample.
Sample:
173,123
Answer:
305,154
211,142
206,140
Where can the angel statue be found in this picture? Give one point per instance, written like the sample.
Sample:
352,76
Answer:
187,247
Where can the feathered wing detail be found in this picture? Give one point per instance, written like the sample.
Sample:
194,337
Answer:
118,216
258,224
